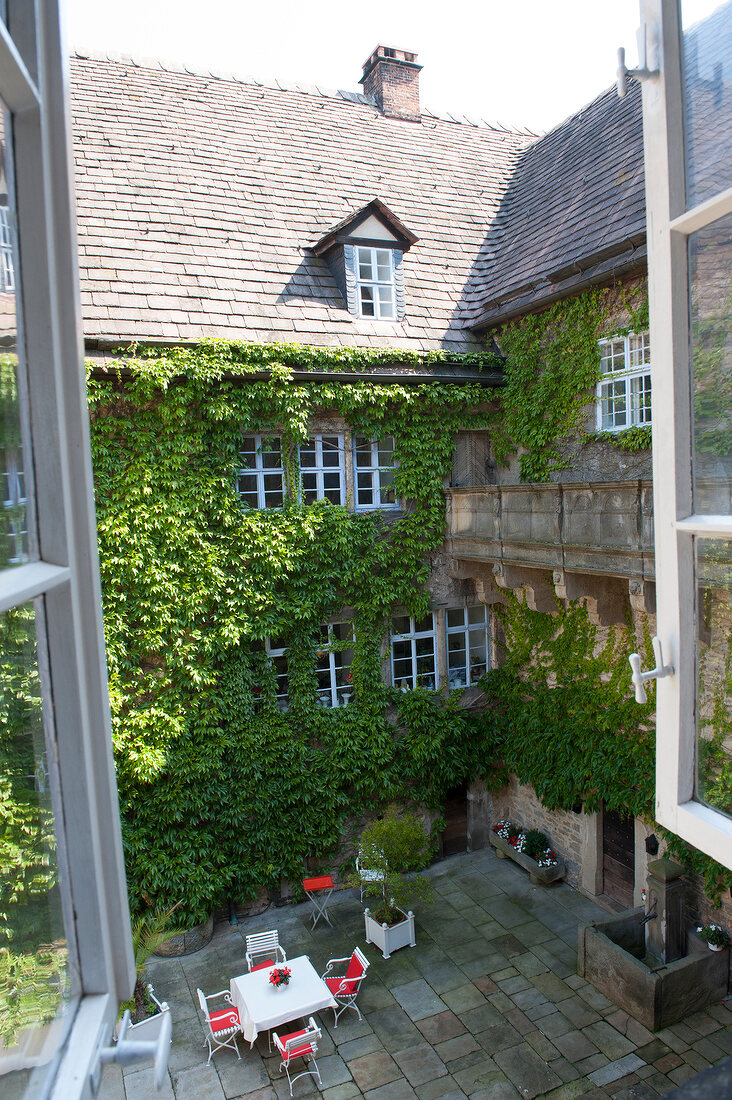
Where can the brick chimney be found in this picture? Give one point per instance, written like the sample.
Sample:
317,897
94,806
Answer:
392,77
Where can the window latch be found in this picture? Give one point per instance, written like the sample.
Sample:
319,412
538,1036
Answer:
640,678
642,72
125,1051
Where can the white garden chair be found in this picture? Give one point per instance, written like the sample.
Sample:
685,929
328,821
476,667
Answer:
299,1044
263,949
369,874
222,1025
345,987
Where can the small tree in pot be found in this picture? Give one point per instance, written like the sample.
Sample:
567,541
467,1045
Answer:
397,846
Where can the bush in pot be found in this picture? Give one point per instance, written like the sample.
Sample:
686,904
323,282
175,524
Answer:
148,933
398,846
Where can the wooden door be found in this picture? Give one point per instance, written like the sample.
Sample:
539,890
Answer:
454,837
618,857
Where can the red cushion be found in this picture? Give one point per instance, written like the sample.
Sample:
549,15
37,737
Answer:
225,1020
261,966
324,882
355,967
295,1052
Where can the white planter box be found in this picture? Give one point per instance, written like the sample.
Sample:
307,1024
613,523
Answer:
387,938
147,1030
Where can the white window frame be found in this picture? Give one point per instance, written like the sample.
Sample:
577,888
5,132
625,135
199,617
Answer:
630,381
16,499
259,472
465,630
7,270
375,284
413,636
670,226
274,653
320,469
62,575
375,470
335,695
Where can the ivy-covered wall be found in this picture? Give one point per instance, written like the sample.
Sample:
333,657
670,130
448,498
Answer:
221,792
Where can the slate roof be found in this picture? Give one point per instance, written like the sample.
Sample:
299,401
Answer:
200,198
572,215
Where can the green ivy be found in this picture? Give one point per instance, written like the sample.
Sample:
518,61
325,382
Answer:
552,365
221,793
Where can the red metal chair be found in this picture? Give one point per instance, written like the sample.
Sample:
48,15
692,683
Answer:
345,987
263,949
222,1026
299,1044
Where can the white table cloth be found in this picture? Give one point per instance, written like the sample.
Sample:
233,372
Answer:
262,1006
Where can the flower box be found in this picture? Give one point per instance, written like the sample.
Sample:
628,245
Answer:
149,1028
540,876
390,937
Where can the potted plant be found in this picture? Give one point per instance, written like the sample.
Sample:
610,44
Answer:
530,849
396,846
714,936
148,933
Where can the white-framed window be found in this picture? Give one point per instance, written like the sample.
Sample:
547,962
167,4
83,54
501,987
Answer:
7,271
66,917
334,655
261,475
374,468
15,504
688,135
414,652
322,468
375,286
624,390
277,652
468,645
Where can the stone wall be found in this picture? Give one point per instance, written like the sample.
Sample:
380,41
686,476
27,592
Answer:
519,803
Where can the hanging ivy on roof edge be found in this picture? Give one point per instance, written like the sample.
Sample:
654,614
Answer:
242,357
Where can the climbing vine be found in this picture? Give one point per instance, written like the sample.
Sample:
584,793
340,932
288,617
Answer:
552,365
221,791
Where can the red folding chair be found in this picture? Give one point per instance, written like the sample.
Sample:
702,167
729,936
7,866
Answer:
299,1044
345,987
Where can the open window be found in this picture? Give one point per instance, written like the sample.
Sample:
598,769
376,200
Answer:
65,928
687,109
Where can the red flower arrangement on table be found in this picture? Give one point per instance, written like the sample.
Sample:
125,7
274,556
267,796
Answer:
280,976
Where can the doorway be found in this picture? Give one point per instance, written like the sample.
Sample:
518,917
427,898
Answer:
618,857
454,837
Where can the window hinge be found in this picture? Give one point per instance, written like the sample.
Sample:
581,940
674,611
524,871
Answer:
642,72
640,678
125,1051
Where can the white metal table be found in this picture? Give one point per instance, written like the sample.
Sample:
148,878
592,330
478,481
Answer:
262,1006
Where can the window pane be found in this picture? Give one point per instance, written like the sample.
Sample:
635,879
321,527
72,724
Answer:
367,301
331,450
363,451
248,453
424,647
707,96
386,451
307,455
476,615
456,649
612,355
365,270
640,350
714,681
271,458
400,624
402,650
14,533
456,617
640,399
710,261
34,966
427,623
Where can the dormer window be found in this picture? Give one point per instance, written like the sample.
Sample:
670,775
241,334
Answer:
364,253
375,283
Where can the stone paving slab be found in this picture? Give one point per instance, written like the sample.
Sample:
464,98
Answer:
488,1006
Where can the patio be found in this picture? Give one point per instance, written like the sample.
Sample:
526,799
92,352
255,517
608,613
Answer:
487,1005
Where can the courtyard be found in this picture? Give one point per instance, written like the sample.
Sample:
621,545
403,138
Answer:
487,1005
